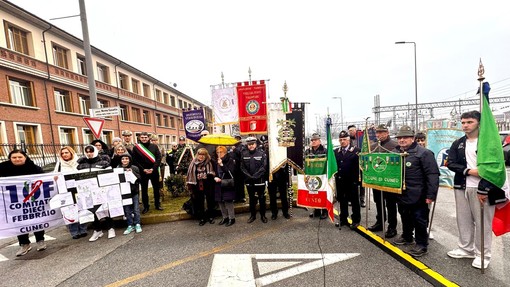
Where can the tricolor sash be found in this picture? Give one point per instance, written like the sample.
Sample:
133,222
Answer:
146,152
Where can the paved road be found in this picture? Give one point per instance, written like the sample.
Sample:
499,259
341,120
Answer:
283,252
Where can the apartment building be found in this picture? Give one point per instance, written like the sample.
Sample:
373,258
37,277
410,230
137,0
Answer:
44,89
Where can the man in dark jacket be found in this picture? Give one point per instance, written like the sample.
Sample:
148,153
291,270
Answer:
347,177
421,185
148,158
253,165
388,201
462,159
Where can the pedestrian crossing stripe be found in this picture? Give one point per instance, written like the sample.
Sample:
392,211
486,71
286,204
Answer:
3,258
252,270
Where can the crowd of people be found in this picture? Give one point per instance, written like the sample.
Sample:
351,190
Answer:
218,175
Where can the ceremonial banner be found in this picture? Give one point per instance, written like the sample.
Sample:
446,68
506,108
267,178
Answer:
252,108
316,187
277,153
224,103
439,142
194,123
25,204
382,171
295,153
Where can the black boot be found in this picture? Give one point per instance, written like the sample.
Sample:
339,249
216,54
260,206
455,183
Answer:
230,222
223,221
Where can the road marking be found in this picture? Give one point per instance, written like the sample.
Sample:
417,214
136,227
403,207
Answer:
3,258
205,253
237,269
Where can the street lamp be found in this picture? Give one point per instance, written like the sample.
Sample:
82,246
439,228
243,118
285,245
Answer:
415,85
341,113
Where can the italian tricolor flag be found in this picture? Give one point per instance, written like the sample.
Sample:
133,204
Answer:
286,105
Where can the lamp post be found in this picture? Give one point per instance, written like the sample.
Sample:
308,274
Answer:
415,85
341,113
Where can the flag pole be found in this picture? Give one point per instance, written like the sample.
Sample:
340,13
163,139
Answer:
481,71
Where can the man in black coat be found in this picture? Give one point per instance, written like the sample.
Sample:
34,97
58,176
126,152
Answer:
253,166
346,179
317,150
148,158
421,186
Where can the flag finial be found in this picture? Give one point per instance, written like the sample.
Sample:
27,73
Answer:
285,89
481,71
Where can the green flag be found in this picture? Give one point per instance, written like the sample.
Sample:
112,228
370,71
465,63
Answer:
365,145
331,170
490,160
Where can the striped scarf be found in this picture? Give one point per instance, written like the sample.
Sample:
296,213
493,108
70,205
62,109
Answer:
198,170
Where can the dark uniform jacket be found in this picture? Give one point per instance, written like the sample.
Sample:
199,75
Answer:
253,166
388,145
348,164
319,151
421,175
457,163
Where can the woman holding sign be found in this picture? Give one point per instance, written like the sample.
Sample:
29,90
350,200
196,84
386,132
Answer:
20,164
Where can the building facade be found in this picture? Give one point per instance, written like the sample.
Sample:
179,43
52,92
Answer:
44,90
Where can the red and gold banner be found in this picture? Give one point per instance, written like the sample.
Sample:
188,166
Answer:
252,108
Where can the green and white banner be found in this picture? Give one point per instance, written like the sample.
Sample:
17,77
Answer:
382,171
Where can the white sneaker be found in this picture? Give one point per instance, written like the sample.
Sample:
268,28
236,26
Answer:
41,245
111,233
460,253
477,262
431,235
24,249
96,235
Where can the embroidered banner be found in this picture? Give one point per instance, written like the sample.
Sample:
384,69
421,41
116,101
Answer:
382,171
225,109
194,123
25,204
252,108
277,153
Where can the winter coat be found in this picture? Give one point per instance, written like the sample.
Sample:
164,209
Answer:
94,163
253,165
226,172
421,175
140,160
134,169
9,169
457,162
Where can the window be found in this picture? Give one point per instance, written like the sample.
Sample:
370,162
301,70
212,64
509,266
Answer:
135,115
158,96
102,73
103,104
172,101
27,135
17,39
60,56
146,90
67,136
146,117
107,136
158,119
172,122
165,121
123,81
88,136
165,98
135,85
84,105
123,113
180,105
62,101
81,63
21,92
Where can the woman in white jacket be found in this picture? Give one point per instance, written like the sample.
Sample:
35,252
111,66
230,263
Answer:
67,163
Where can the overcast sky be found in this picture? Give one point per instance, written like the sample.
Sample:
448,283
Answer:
323,49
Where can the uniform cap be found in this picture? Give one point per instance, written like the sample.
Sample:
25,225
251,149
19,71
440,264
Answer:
251,140
316,136
127,133
343,134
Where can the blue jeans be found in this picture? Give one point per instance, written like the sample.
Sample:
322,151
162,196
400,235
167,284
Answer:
132,212
77,229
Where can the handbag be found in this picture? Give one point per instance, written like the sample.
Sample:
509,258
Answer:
227,182
188,207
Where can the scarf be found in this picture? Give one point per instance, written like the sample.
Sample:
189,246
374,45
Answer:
199,170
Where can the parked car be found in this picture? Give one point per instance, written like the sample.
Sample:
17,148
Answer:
505,141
